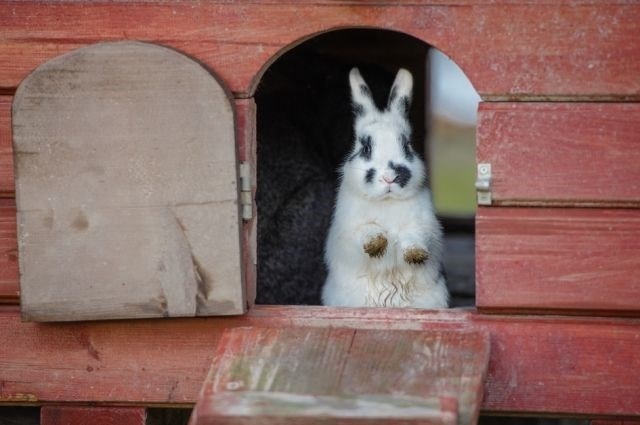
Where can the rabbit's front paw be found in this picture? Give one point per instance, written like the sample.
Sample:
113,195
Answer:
416,255
376,246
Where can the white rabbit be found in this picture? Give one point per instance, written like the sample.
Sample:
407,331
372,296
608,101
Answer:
384,247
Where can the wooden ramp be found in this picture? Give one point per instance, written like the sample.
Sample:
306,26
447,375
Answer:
344,376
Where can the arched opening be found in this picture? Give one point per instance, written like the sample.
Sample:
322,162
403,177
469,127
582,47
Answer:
304,132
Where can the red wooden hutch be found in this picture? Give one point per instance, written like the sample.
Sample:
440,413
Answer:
557,245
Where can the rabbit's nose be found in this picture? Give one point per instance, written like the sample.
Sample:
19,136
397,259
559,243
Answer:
388,179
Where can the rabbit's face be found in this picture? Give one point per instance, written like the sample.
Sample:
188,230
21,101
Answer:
382,163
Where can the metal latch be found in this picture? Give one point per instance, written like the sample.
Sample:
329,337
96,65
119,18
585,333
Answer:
483,184
246,198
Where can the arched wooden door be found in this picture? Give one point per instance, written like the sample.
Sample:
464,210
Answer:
126,187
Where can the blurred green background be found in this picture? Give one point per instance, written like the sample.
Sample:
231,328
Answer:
452,167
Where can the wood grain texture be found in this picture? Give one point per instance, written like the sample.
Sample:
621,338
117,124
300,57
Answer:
538,49
6,152
245,114
561,153
349,367
562,365
127,202
563,259
539,365
269,408
80,415
9,286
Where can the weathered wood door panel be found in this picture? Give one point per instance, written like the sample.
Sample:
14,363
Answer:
318,376
126,189
558,258
561,153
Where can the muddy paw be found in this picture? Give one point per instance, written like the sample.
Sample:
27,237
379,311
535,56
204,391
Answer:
416,256
376,246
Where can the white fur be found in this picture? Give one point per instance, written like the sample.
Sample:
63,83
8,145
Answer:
404,215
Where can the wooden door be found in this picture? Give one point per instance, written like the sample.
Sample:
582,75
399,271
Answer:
126,187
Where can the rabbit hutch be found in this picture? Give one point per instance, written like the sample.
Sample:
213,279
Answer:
161,212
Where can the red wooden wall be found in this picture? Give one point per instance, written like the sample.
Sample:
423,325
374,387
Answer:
535,49
560,83
539,364
563,232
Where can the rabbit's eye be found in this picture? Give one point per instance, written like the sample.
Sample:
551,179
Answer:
406,148
365,151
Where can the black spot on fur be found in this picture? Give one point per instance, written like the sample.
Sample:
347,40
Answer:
405,105
364,89
406,148
365,151
392,96
358,110
403,174
371,172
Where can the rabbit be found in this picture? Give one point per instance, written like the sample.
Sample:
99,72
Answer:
384,246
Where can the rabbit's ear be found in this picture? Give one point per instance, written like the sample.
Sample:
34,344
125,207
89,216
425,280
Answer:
360,94
400,95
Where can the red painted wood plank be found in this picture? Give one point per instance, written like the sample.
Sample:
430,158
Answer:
540,48
9,286
559,365
6,151
540,365
245,116
558,259
80,415
561,153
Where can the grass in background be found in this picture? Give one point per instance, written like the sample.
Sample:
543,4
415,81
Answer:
452,154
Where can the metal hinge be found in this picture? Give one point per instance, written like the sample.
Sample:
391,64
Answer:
246,197
483,184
